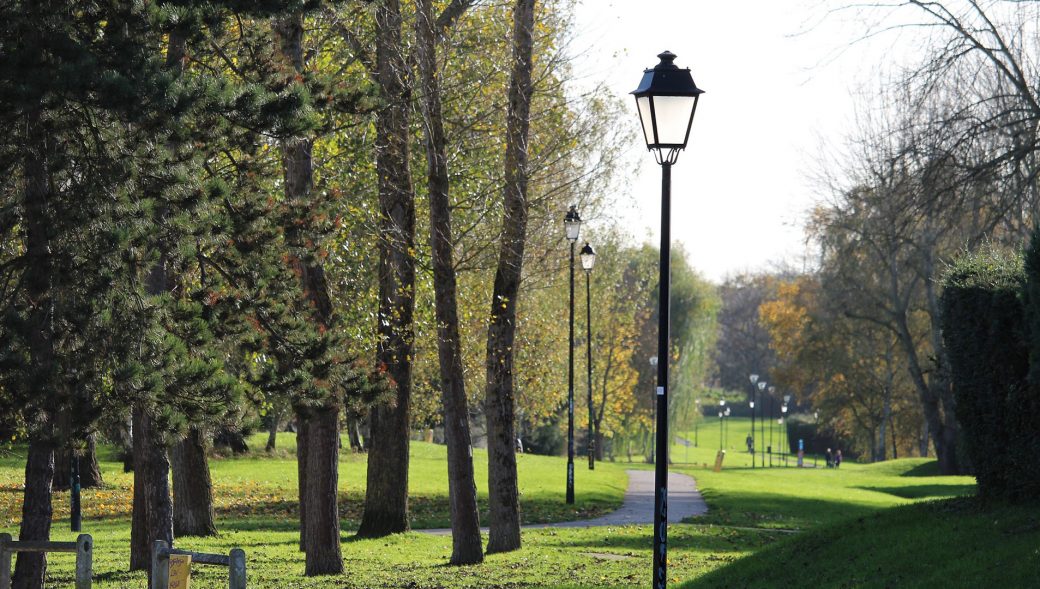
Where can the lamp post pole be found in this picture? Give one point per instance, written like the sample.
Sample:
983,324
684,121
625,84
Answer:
74,492
700,414
762,422
754,379
588,259
666,99
572,224
771,411
720,431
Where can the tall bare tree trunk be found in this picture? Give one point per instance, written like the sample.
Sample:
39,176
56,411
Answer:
357,443
462,487
322,537
192,487
39,467
503,493
319,468
386,498
302,446
153,506
272,431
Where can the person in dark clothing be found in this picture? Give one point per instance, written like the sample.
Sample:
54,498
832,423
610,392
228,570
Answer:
830,459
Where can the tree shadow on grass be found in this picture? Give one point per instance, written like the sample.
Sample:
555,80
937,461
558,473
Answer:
766,510
924,491
927,469
608,539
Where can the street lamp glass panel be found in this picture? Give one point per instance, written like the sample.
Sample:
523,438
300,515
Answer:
572,224
783,408
672,117
787,398
762,386
645,118
653,360
751,404
722,402
754,378
727,411
772,390
588,257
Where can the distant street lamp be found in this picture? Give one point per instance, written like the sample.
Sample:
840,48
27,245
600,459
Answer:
783,423
572,226
720,430
588,260
762,422
772,392
816,433
76,519
754,379
696,423
667,100
725,429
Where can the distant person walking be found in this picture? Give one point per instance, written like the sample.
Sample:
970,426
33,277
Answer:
750,444
837,459
830,459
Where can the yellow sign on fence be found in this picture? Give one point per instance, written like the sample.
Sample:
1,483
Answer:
180,571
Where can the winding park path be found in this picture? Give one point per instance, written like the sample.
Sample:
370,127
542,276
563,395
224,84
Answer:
684,500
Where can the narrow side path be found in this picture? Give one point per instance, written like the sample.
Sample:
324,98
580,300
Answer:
684,500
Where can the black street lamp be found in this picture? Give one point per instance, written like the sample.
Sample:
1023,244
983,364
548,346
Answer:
696,423
667,100
783,425
572,225
588,260
754,379
725,429
76,519
762,422
720,430
772,392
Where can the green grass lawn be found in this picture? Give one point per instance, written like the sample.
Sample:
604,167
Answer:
804,527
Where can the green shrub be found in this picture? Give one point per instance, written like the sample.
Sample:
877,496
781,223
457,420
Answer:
984,331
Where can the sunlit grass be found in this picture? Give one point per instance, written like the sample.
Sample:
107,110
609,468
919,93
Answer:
756,516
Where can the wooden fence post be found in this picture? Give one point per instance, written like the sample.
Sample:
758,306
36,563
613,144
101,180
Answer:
237,569
5,562
84,561
160,565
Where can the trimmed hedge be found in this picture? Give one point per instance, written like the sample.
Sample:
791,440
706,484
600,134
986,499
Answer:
1024,403
984,331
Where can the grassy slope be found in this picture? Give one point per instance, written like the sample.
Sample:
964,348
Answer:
941,544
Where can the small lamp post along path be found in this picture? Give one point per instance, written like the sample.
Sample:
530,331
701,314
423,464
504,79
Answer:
666,99
754,379
725,428
722,423
700,414
588,260
762,422
772,392
783,427
572,226
720,430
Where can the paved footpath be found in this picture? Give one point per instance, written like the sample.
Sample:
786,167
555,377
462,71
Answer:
684,500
